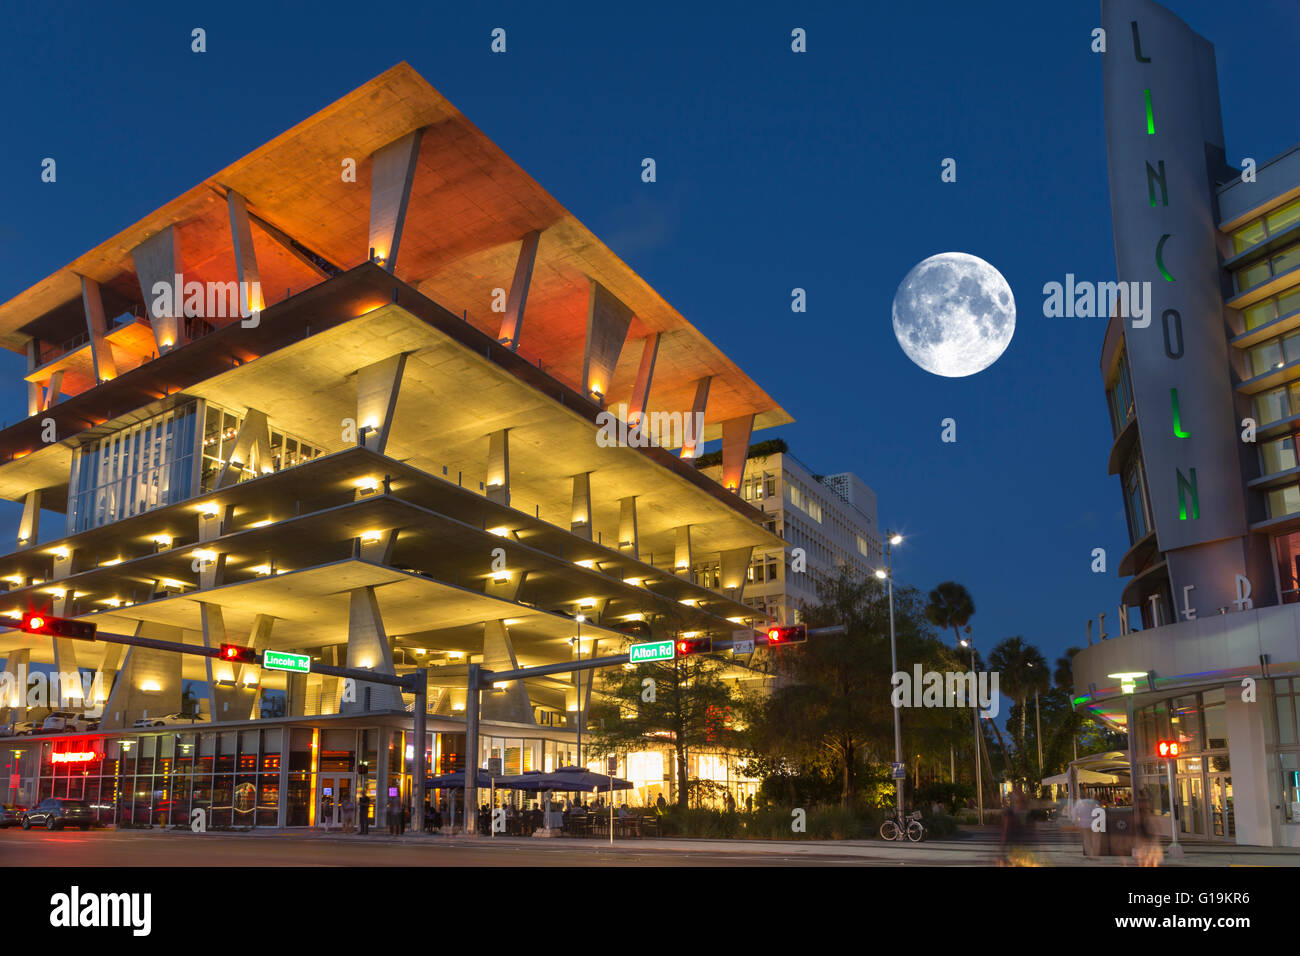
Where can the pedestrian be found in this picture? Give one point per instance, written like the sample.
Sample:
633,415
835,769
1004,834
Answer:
364,807
660,802
349,814
749,803
731,803
404,818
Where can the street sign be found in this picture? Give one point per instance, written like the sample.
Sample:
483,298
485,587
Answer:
494,766
742,642
283,661
611,765
897,770
654,651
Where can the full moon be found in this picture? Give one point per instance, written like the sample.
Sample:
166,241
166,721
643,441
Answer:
954,314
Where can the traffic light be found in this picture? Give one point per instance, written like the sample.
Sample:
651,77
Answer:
236,654
694,645
794,634
1167,748
37,623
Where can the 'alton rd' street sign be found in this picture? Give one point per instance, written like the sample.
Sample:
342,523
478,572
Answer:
654,651
282,661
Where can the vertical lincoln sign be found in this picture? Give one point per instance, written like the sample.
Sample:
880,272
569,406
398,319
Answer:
1164,144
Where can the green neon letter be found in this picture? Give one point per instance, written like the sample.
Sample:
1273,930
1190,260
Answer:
1152,179
1178,427
1160,257
1185,486
1151,120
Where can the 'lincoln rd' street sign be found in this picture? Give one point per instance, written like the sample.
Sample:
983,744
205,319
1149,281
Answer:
282,661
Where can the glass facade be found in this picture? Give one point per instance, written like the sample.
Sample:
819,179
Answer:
1203,775
221,431
1274,307
1256,232
1135,499
134,470
1119,397
1283,260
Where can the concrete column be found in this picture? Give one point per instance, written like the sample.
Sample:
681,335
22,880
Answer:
149,683
34,402
30,523
52,391
213,524
282,813
18,663
108,667
644,377
512,322
510,702
252,449
378,385
682,558
693,427
580,514
246,271
377,550
368,648
295,696
101,353
627,536
259,639
608,320
391,175
735,448
498,470
158,260
1247,738
385,739
735,569
228,696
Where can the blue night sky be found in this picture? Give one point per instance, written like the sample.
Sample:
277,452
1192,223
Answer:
775,171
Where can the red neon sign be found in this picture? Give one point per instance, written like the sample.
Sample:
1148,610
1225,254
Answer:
74,756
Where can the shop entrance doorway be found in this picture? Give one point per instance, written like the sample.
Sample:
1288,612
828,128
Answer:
334,791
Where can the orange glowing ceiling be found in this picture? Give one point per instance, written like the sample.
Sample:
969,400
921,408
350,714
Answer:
470,207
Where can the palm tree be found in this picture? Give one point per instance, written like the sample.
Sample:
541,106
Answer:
1022,672
950,606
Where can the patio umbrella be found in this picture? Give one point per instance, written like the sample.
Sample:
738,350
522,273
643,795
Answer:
456,781
573,779
530,781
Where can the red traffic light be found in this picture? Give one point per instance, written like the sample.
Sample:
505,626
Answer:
1167,748
238,654
694,645
794,634
57,626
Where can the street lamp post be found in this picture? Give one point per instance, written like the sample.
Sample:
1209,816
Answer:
979,773
1038,733
580,617
887,574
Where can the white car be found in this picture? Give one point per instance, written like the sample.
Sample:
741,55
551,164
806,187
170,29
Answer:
63,720
170,720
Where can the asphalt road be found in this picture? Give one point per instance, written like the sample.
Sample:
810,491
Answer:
154,848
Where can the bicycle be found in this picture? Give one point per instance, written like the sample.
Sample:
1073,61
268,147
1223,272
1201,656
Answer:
903,828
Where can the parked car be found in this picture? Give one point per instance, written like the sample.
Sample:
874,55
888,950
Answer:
64,720
55,813
170,720
18,728
11,815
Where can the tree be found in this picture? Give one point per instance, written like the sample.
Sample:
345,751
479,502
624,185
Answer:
1022,670
687,705
950,606
831,703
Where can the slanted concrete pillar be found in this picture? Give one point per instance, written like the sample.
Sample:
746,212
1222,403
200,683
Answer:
101,353
378,547
644,377
158,260
52,391
580,514
232,687
246,272
693,427
385,740
109,668
252,450
607,324
627,536
30,523
377,388
735,569
34,398
295,695
368,648
13,689
510,702
512,322
498,470
735,448
682,554
391,174
149,684
259,639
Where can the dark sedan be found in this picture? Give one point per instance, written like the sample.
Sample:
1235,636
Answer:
11,815
55,813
